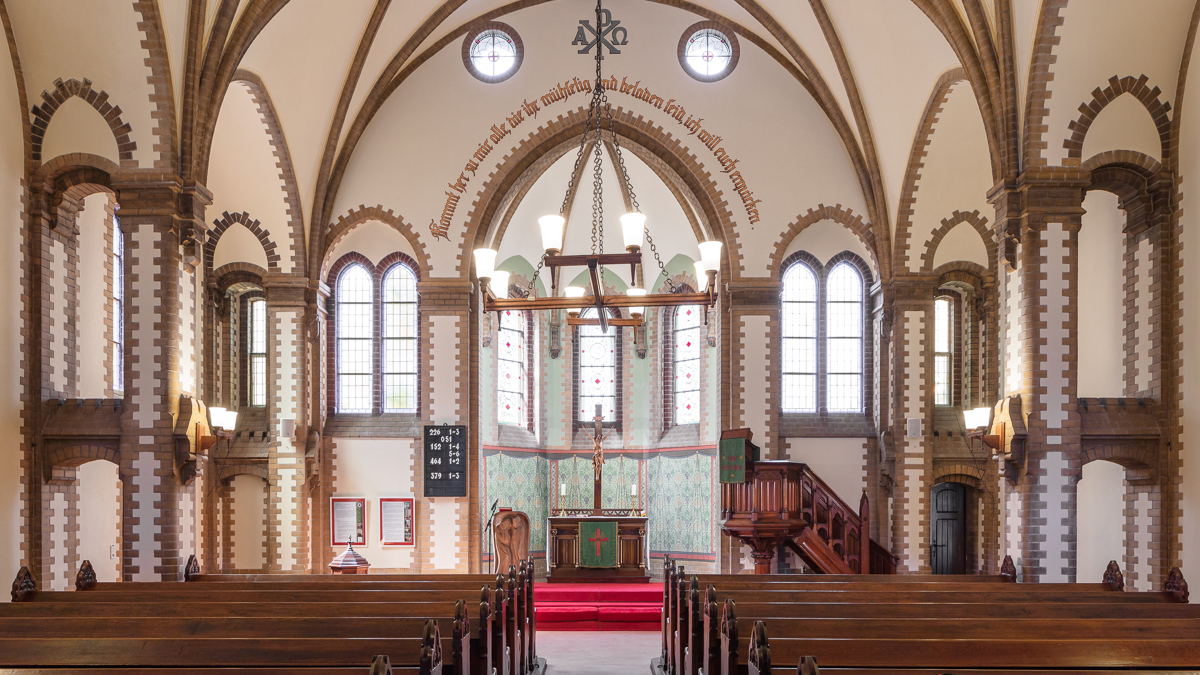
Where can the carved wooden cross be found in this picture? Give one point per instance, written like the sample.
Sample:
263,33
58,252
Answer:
598,437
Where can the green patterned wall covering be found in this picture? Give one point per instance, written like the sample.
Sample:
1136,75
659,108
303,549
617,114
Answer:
682,509
520,482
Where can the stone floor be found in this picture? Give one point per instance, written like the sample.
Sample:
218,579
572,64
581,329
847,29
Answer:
597,653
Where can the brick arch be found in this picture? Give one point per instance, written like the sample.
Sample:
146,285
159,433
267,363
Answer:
222,224
1117,86
962,271
346,224
959,473
638,135
906,206
1128,157
838,213
287,173
77,455
351,258
71,178
227,471
1129,455
236,273
1141,200
980,223
98,99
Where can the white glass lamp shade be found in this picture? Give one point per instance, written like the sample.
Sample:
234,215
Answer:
633,229
485,263
710,253
636,292
976,417
499,283
574,292
701,276
216,416
552,232
230,420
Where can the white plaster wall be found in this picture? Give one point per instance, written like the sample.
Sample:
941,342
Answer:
78,127
373,239
827,238
1100,520
1102,297
756,375
961,243
447,529
238,244
12,366
1124,124
99,517
838,461
92,336
141,545
374,468
443,384
249,522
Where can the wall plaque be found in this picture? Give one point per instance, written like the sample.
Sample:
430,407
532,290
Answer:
397,521
445,461
348,521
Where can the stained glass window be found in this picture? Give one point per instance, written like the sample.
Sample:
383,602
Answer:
844,339
511,354
118,307
399,340
493,53
256,351
687,364
941,351
708,52
597,370
354,328
799,339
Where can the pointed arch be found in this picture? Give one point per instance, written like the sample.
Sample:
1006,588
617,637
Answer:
98,99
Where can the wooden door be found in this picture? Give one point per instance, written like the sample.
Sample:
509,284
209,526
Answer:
948,551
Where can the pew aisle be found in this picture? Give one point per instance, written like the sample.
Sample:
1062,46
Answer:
597,653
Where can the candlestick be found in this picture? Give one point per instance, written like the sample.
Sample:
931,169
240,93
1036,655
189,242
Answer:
562,490
633,489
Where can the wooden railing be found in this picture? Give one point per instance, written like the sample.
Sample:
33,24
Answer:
786,503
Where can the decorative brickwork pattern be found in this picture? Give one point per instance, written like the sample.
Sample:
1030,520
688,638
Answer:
98,99
1088,111
227,220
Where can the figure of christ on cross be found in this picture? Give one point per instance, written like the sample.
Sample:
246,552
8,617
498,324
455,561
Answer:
597,539
598,437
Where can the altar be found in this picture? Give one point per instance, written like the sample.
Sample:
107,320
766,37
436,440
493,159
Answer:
567,535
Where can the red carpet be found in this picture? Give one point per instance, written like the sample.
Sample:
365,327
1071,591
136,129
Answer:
598,606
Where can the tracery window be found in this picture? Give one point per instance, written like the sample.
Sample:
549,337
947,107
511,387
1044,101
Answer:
708,51
686,328
942,355
512,381
823,336
399,340
844,339
799,339
117,340
256,351
354,339
492,52
596,369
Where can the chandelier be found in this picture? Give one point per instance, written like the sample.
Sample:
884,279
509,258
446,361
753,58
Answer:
494,283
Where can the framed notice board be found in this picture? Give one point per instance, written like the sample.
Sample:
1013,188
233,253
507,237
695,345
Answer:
397,521
446,461
348,521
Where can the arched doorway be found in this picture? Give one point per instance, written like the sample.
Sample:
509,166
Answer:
948,531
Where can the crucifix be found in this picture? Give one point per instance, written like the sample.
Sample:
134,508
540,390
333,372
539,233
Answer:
598,437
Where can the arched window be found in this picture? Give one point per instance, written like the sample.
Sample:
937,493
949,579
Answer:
942,355
117,342
354,340
686,328
256,351
512,381
799,332
844,339
399,340
597,371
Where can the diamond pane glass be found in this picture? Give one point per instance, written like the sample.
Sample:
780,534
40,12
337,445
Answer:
399,292
687,364
687,407
799,330
687,344
511,363
510,408
597,368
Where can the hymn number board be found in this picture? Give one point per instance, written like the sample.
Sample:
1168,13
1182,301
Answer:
446,461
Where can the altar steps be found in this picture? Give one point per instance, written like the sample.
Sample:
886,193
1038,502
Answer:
598,607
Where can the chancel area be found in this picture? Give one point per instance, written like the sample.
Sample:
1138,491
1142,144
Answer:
715,337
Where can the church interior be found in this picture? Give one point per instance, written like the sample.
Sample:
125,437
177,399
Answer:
475,327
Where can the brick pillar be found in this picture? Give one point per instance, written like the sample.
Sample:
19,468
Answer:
286,365
912,384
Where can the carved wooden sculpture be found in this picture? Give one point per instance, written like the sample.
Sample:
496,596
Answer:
512,538
85,579
1008,570
1176,585
192,569
1113,577
24,586
381,666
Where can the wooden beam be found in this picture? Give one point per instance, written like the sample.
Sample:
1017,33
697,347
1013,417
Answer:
576,321
598,292
602,258
560,302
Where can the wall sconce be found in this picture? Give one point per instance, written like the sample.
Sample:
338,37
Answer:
977,419
223,423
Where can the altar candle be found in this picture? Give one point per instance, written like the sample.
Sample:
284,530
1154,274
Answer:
562,490
633,489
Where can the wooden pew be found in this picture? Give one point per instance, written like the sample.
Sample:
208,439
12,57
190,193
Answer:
380,665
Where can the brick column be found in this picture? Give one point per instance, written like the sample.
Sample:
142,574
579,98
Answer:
912,387
286,366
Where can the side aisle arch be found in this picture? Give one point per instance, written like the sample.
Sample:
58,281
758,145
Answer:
98,99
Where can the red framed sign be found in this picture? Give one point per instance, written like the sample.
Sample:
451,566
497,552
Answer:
347,521
397,521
